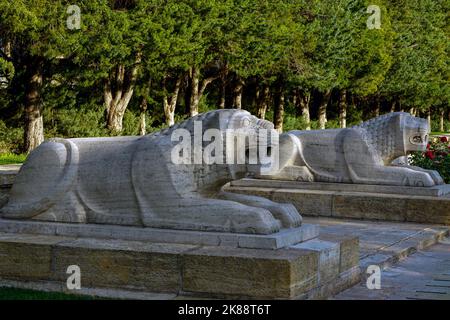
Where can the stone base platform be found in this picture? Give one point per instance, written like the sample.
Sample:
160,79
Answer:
139,270
8,173
412,204
284,238
317,268
435,191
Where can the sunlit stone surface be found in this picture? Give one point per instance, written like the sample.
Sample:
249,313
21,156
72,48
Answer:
363,154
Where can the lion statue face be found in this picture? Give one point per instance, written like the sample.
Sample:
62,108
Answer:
230,138
252,142
415,133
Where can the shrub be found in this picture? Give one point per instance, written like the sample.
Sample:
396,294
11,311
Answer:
293,123
85,121
11,139
437,157
435,125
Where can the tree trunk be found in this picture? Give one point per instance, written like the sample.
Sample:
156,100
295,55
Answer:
303,100
8,49
143,108
393,106
343,110
117,93
279,111
170,102
142,124
34,125
295,101
195,98
377,109
441,120
223,86
263,102
237,94
197,90
323,109
223,94
257,97
429,117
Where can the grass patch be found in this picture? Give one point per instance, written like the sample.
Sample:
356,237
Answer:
438,133
11,158
25,294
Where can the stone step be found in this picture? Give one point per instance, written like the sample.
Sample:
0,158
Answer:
8,174
383,243
391,254
424,275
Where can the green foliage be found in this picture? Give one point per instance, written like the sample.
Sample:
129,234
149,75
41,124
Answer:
11,158
294,123
344,53
309,46
86,121
420,72
6,69
261,37
11,139
435,125
437,157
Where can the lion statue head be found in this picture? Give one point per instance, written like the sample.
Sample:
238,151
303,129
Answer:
396,134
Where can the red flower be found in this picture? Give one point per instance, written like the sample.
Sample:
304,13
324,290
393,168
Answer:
430,155
428,146
444,139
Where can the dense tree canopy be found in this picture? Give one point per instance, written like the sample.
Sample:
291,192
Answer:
134,66
419,76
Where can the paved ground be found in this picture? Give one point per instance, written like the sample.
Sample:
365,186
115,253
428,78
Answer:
383,243
414,258
423,275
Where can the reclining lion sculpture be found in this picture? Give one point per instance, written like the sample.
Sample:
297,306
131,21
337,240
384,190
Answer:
362,154
133,181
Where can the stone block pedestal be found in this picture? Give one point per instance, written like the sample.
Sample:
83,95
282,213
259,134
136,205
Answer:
374,202
315,268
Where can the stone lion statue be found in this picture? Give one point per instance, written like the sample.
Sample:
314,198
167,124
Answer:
134,181
362,154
